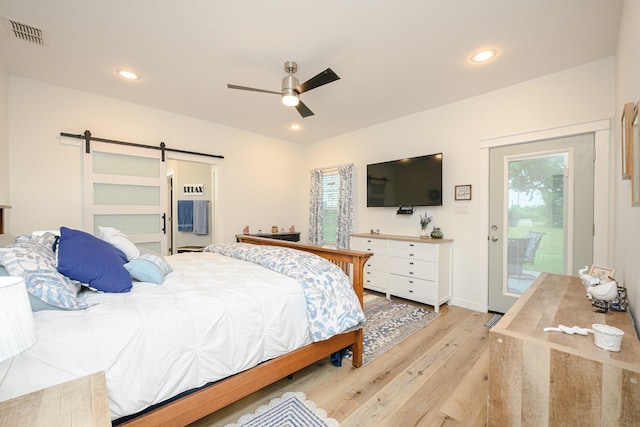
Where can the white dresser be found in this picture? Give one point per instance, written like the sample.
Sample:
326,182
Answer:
407,267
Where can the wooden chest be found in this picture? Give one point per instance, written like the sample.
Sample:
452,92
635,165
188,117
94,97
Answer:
539,378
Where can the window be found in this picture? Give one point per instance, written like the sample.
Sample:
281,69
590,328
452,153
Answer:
330,195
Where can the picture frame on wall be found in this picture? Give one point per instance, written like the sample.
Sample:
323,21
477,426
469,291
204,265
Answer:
626,132
635,157
463,192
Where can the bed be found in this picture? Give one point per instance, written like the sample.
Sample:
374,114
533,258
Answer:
190,368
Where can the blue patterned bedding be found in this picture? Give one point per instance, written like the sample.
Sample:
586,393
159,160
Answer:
332,304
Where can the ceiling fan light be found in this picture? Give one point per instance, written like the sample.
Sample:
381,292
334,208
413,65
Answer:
290,98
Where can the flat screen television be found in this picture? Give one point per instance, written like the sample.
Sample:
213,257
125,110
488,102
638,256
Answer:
416,181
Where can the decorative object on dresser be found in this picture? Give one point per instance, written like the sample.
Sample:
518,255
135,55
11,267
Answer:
424,224
542,379
408,267
436,233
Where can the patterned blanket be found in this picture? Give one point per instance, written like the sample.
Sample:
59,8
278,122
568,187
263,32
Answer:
332,304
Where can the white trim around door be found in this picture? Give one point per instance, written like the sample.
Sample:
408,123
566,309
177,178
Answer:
603,244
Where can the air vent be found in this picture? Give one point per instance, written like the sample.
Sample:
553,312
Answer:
25,32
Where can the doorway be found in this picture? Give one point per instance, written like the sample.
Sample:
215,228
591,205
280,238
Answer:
191,180
541,215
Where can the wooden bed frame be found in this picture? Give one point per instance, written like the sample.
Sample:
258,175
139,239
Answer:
209,399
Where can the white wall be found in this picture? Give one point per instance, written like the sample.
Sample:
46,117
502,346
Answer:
45,178
577,95
627,218
265,182
4,137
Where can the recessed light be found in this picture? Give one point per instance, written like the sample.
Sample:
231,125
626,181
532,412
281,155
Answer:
295,126
129,75
484,55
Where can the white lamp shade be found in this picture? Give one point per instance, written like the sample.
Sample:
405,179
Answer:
17,330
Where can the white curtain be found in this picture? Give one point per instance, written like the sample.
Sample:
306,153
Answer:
345,207
315,209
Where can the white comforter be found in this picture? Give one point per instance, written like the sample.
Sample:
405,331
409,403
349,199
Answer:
161,340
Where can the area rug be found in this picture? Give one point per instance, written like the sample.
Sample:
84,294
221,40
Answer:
291,410
389,322
495,319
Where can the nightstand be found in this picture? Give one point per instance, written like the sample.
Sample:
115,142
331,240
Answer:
80,402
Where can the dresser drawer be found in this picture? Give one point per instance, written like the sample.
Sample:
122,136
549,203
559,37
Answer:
413,268
423,251
414,289
379,262
377,246
376,280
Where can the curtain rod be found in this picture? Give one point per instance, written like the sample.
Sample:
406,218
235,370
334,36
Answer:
87,138
331,167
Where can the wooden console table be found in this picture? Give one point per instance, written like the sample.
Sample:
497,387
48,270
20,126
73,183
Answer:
539,378
81,402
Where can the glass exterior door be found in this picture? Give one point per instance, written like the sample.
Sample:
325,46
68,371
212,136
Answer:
536,211
540,213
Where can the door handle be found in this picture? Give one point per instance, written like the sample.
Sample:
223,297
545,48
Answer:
494,238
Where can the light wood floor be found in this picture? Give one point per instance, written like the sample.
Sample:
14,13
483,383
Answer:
436,377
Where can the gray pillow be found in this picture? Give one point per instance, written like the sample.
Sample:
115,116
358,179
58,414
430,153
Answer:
32,258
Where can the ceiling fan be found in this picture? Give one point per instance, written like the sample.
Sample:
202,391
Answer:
291,89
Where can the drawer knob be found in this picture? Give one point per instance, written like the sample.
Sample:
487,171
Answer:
411,272
411,281
410,262
411,244
410,291
410,254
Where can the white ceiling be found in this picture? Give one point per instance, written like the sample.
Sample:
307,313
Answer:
394,57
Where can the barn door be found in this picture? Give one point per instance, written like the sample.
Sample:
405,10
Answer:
125,188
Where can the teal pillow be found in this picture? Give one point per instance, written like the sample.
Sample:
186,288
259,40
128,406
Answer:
157,259
145,270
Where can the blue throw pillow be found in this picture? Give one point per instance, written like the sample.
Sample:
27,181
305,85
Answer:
89,260
145,270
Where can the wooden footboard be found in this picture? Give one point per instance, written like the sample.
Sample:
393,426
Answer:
222,393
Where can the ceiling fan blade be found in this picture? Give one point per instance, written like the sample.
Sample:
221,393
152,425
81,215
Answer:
253,89
303,110
327,76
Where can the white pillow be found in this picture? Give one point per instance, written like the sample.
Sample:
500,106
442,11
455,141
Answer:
118,239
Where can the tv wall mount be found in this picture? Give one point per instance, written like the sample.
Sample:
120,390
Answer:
405,210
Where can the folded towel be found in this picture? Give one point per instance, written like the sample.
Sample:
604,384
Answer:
200,217
185,215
